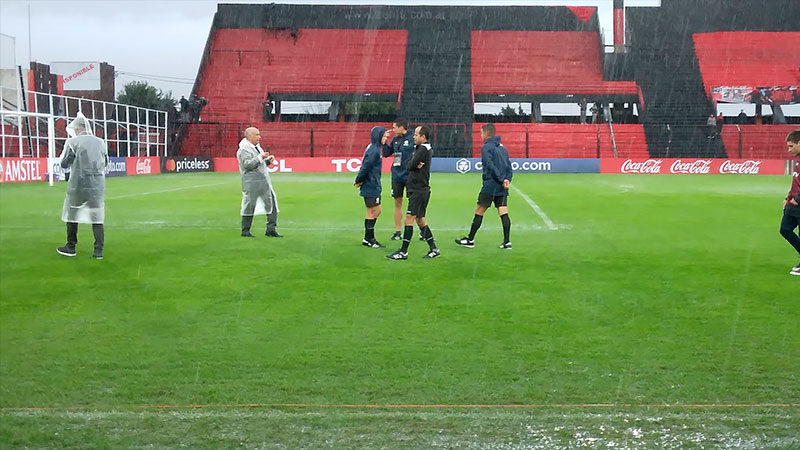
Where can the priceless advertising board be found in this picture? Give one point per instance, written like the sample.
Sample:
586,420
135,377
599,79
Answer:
693,166
143,165
117,167
518,165
20,170
187,164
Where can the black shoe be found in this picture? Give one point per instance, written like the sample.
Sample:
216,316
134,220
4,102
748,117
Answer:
505,246
466,242
98,254
247,234
397,256
396,236
66,250
795,270
273,234
434,253
372,244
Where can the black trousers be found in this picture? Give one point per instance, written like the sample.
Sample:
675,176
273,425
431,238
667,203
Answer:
97,230
788,224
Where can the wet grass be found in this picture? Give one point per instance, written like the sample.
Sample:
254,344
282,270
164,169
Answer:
645,291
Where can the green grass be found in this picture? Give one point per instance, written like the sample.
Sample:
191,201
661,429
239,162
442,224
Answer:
652,290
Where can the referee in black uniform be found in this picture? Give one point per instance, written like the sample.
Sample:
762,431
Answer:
419,192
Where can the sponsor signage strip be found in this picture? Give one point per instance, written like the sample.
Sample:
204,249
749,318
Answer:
117,167
462,165
187,164
20,170
519,165
13,170
308,165
694,166
143,165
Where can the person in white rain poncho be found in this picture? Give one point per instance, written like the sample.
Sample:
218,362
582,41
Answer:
87,157
258,197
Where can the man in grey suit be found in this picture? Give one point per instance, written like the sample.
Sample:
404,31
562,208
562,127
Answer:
258,197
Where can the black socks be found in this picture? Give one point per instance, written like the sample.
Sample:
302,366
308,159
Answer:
408,232
506,227
369,229
427,234
476,223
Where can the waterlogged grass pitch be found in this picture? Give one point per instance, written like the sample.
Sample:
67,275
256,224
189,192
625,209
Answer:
632,292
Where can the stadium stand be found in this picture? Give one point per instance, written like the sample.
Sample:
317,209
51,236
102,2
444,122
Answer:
541,62
668,69
245,65
418,57
747,58
436,63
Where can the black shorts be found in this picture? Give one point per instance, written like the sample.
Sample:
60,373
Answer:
372,201
486,200
397,189
418,203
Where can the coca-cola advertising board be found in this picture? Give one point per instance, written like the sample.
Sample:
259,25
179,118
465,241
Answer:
143,165
20,170
693,166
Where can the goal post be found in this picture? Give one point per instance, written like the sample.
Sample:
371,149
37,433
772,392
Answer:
13,126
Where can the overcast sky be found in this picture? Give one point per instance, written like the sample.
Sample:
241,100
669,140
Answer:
161,42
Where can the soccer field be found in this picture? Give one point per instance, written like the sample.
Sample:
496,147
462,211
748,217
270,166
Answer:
633,311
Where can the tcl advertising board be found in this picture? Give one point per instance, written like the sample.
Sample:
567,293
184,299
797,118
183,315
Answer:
289,165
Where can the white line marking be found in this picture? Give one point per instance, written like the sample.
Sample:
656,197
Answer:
536,208
166,190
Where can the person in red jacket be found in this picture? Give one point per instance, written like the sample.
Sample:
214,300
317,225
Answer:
791,204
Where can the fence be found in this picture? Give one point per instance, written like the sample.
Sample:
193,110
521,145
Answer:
127,130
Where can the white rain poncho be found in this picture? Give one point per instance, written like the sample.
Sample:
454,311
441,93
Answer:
87,157
256,185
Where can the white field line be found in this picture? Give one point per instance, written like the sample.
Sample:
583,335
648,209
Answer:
536,208
138,194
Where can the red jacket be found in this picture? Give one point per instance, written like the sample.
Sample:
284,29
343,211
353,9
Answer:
794,191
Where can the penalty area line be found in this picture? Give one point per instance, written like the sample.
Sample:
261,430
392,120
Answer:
536,208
